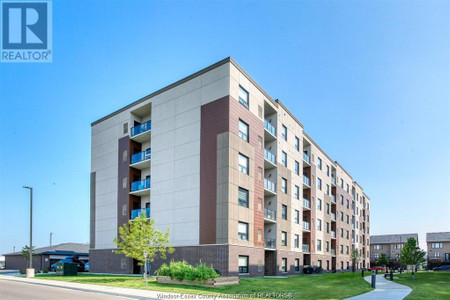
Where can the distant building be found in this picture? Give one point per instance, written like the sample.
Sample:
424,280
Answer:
438,249
44,257
2,262
391,245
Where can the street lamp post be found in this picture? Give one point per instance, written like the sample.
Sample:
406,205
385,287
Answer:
30,270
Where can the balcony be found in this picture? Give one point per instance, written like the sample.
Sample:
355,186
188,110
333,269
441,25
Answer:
306,182
140,187
270,243
333,234
141,160
333,252
270,159
306,226
305,248
135,213
333,180
270,216
270,132
306,160
141,132
306,204
333,199
270,188
333,217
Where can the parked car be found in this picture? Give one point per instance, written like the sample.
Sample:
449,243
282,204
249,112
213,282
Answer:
378,268
86,267
442,268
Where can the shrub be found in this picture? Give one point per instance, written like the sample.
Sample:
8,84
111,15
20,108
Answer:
22,271
45,270
182,270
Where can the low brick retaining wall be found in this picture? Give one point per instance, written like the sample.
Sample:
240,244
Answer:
213,282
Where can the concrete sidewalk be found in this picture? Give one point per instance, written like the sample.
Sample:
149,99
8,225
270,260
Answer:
100,289
385,289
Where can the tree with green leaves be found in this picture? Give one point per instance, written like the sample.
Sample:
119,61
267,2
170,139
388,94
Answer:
26,252
356,258
411,254
139,236
383,260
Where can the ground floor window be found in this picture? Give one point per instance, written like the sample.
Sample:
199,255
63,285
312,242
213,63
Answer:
348,266
243,264
342,265
284,265
319,263
328,265
297,265
447,256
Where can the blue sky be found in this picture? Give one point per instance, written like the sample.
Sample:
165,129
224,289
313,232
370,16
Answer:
368,79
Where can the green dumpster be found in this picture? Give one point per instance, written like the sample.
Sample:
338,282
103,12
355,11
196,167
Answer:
66,269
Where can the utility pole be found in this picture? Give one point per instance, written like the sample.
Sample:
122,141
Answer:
14,249
51,235
30,270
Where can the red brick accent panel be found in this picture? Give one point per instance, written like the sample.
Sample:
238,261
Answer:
256,129
214,120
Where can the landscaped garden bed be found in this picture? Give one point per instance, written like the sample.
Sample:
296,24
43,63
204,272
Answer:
184,273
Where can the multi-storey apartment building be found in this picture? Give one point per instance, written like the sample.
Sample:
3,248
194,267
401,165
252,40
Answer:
391,245
233,175
438,249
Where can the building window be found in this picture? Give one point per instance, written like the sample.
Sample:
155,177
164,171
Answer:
243,197
319,204
376,255
260,204
297,265
447,256
328,208
327,246
284,185
243,130
297,192
348,266
319,245
347,252
283,238
436,254
342,250
284,212
319,183
342,265
297,217
342,183
243,96
297,241
125,128
260,173
243,163
319,163
328,189
259,235
342,200
328,265
243,264
297,144
284,264
436,245
284,158
342,232
260,142
341,215
348,235
297,168
319,263
348,219
328,227
284,132
260,113
348,204
124,182
319,224
243,231
328,170
348,188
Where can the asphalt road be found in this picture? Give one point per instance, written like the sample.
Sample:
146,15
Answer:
11,290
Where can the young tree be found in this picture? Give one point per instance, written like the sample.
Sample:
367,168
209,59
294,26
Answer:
26,252
383,260
139,235
412,254
356,258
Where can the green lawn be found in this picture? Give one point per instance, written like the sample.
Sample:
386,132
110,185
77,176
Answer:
326,286
427,285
